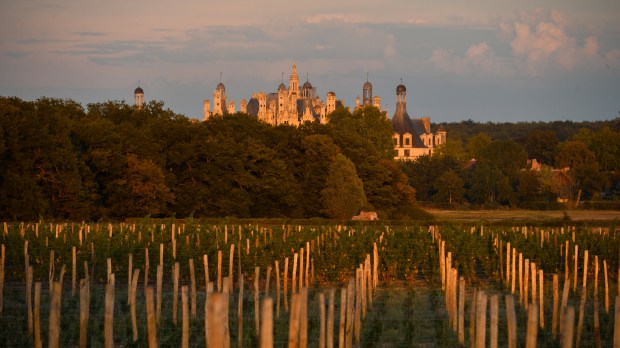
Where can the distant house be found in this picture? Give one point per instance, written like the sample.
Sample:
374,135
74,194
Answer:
413,137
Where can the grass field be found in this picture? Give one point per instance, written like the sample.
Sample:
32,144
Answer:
497,215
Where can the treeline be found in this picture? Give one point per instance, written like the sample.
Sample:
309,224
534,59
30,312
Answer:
111,160
518,131
582,169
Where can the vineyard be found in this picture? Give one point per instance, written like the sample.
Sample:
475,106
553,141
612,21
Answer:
189,284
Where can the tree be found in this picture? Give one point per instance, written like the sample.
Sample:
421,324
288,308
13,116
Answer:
477,144
583,168
450,188
343,195
541,144
451,148
141,191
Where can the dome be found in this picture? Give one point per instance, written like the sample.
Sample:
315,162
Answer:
367,85
282,87
401,89
307,85
138,91
220,87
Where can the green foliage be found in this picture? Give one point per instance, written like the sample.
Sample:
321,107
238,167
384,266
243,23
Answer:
450,188
343,195
477,144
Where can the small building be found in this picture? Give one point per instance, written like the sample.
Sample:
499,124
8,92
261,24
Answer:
413,137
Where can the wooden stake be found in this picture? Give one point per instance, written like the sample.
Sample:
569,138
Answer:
240,313
267,282
301,270
205,262
37,315
585,269
568,327
266,329
29,299
556,295
494,301
526,300
132,302
461,314
150,318
350,313
606,288
541,301
54,322
217,314
185,315
231,264
343,315
73,271
293,330
286,284
219,272
146,268
511,318
513,279
2,258
521,277
192,277
277,290
159,284
575,271
303,318
330,318
129,270
294,282
472,319
84,311
175,293
617,323
532,326
481,318
564,303
321,320
582,309
256,299
108,327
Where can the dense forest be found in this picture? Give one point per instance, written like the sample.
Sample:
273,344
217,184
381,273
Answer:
110,160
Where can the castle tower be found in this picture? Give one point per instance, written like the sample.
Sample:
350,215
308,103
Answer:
377,102
367,93
138,98
282,105
206,110
357,102
243,107
262,106
294,83
219,100
307,92
231,107
331,102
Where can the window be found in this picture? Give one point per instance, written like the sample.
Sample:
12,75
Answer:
396,141
406,153
407,141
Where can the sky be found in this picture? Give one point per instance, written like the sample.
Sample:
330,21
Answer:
484,60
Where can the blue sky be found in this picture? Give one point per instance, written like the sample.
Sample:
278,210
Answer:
486,60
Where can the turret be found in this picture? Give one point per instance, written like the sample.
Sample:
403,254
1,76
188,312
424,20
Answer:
138,98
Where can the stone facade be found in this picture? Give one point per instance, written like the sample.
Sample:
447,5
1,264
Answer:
413,137
291,105
294,105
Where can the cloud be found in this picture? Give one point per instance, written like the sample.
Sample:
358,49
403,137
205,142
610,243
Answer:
478,58
543,40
